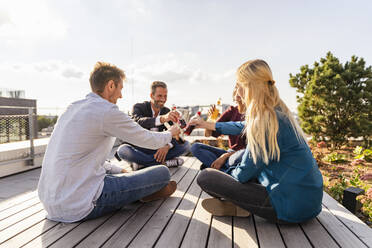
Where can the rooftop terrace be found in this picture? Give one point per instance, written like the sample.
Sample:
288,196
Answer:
178,221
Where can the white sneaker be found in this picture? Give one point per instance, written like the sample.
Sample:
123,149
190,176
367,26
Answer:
174,162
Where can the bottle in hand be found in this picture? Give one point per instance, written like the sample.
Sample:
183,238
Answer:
189,127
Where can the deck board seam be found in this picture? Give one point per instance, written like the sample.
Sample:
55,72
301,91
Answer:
44,231
346,226
339,245
64,233
209,232
191,218
307,237
134,237
232,232
109,217
23,220
255,230
19,212
18,202
22,230
175,209
129,217
281,235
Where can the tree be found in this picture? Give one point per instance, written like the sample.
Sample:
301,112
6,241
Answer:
335,99
43,122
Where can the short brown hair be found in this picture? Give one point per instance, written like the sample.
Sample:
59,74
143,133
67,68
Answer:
157,84
102,73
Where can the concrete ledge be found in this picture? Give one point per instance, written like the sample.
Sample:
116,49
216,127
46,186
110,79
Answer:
13,156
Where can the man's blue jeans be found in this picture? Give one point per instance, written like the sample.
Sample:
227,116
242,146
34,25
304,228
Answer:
208,154
122,189
145,156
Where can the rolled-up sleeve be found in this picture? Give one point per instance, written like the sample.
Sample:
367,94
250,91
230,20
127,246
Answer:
230,128
118,124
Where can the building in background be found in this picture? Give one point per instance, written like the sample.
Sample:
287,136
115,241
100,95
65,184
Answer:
4,92
14,117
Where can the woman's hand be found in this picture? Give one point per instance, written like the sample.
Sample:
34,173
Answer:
197,122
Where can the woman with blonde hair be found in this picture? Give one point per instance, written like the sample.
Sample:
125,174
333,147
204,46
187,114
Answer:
277,179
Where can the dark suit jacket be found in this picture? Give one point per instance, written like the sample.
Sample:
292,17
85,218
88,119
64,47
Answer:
142,114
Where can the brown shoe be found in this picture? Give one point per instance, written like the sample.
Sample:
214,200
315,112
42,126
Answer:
163,193
223,208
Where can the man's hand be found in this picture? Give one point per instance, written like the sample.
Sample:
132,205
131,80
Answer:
219,162
171,116
175,131
161,154
124,171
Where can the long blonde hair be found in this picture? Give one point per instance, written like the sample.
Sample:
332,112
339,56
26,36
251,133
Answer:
261,97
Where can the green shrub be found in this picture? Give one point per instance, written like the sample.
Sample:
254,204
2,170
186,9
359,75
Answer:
361,153
335,157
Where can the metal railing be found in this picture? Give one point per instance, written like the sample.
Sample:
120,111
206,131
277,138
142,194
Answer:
18,127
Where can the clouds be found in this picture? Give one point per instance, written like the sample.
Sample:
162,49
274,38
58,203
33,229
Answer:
67,70
72,72
23,22
174,69
4,17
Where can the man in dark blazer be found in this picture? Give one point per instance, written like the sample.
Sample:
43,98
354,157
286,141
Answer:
152,115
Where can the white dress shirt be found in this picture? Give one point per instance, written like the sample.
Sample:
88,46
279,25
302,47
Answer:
73,168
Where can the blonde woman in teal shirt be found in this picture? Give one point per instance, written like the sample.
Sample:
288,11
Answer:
277,179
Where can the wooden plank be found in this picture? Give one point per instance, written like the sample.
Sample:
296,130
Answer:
49,237
29,234
294,236
129,230
221,232
318,236
358,227
21,226
107,229
19,207
197,232
244,232
80,232
268,233
154,227
343,236
177,226
4,205
20,216
59,231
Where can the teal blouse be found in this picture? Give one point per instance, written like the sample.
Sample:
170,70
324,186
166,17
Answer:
294,183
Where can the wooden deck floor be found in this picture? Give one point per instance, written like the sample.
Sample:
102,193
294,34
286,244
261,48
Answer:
178,221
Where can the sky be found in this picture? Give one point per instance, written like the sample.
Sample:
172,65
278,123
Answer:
48,48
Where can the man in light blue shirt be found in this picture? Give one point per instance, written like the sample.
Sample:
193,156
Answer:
76,182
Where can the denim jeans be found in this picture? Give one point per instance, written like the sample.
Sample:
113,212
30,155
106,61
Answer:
122,189
208,154
145,156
